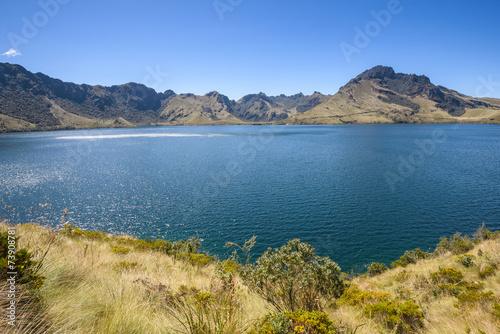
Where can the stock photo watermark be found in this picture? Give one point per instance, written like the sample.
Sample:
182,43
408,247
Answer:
223,6
487,86
31,25
408,165
221,180
372,29
155,77
11,275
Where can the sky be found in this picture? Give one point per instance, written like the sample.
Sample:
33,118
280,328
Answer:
239,47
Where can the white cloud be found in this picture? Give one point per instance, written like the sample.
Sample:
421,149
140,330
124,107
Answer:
11,53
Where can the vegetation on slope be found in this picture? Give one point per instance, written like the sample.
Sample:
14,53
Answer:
77,281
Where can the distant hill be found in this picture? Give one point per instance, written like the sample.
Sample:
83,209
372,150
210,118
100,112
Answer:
380,95
34,101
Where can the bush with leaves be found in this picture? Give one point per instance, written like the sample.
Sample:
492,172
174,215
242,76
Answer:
314,322
293,277
410,257
376,268
467,260
456,244
18,261
197,311
401,317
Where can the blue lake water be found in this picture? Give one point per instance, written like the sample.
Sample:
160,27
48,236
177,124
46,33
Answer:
359,193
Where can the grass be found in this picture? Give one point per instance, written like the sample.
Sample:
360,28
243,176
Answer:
101,283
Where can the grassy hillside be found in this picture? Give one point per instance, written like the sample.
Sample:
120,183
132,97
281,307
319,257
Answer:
94,282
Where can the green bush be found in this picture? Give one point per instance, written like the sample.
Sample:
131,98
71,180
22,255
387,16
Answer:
496,311
126,265
410,257
401,317
486,270
376,269
355,297
470,299
310,322
447,275
467,260
456,244
293,277
202,312
483,234
18,261
121,250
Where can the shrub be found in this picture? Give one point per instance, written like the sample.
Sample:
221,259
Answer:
376,269
455,289
125,265
198,260
456,244
446,276
470,299
483,233
355,297
198,311
293,277
314,322
19,261
496,311
121,250
409,257
486,270
467,260
405,317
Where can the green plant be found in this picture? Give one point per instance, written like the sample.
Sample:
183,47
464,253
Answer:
483,233
310,322
126,265
410,257
376,268
121,250
198,260
201,312
467,260
447,275
401,317
496,310
245,250
456,244
19,261
470,299
486,270
293,277
355,297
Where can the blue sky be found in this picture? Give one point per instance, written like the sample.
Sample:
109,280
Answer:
239,47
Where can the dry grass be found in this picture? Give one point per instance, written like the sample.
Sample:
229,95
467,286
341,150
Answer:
91,289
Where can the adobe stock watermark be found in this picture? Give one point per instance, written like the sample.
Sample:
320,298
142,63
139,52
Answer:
364,36
487,87
31,26
155,77
408,165
222,179
223,6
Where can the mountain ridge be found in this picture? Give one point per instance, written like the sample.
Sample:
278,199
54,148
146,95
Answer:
35,101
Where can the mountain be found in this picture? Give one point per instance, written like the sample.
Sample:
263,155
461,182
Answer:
263,108
380,95
35,101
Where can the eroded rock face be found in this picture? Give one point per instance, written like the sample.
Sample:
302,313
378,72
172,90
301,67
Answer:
29,97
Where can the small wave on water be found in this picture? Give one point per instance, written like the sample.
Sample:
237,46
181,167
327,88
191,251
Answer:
146,135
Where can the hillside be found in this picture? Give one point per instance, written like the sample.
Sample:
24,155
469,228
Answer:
380,95
94,282
35,101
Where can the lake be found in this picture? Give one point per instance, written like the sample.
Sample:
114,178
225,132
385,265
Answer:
358,193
